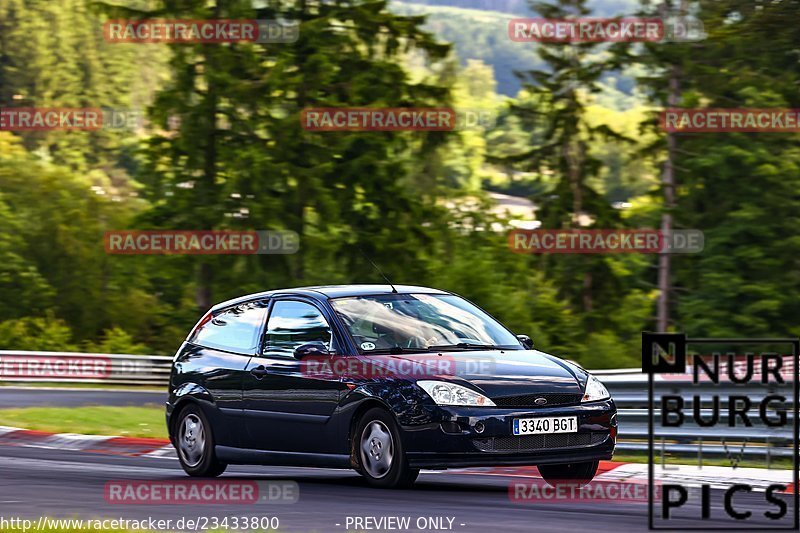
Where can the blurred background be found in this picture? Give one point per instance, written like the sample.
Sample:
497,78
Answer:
574,143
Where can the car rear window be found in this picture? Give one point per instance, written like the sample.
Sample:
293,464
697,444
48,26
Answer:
235,329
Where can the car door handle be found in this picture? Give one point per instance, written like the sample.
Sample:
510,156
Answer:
259,371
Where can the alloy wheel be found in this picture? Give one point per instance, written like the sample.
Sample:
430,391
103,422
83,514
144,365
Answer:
192,440
377,449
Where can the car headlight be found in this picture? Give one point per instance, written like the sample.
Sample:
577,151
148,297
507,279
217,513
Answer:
595,390
444,393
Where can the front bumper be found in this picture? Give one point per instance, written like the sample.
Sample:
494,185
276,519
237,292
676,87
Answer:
455,435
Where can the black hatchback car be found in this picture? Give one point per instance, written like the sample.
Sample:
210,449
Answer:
383,380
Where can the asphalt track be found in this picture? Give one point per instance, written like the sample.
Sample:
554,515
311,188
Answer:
30,397
55,483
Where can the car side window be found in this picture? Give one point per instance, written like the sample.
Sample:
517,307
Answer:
293,323
235,329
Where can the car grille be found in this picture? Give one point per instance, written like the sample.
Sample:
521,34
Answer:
529,443
527,400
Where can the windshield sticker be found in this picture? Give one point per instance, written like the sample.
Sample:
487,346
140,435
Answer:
367,346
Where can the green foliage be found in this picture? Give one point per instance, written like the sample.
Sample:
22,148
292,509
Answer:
739,188
565,154
224,149
20,280
117,340
45,333
240,158
53,54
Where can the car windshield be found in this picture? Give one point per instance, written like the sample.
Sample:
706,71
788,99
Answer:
420,322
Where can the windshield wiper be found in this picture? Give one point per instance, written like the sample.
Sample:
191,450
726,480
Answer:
394,350
464,345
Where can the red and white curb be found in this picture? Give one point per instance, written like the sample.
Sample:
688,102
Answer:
130,446
609,471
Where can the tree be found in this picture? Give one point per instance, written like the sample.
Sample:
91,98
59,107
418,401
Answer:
241,159
53,54
739,188
554,108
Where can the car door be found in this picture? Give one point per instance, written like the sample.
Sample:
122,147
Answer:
216,357
288,408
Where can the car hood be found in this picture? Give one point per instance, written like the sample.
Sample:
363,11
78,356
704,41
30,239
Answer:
497,373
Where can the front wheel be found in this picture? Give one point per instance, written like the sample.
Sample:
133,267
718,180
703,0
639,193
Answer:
579,474
195,443
379,451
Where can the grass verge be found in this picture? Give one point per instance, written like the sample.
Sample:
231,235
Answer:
93,420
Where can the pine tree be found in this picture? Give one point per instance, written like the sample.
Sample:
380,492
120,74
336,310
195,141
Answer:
554,109
241,159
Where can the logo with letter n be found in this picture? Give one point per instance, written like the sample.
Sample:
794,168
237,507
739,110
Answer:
663,353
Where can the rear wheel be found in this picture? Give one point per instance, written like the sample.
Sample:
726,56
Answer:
379,451
579,474
195,443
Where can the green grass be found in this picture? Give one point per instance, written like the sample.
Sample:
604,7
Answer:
94,420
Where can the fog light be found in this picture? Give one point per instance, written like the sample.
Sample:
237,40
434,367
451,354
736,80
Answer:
479,427
451,427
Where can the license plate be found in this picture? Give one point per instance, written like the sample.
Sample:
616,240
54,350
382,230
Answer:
551,424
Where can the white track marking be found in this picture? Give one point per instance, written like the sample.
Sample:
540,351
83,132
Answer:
72,441
165,452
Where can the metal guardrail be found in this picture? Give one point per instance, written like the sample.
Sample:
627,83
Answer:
628,388
69,367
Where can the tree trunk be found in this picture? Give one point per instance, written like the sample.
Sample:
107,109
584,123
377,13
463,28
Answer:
207,195
668,183
575,154
204,295
301,191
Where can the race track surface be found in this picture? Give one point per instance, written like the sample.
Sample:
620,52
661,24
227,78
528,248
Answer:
28,397
55,483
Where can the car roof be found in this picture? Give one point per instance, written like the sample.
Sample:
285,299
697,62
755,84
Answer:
323,292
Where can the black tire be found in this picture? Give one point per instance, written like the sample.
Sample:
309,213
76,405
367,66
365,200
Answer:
198,460
579,474
376,439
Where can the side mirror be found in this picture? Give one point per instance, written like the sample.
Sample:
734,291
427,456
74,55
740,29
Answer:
311,349
526,341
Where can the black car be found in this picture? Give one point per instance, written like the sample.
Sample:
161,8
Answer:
381,379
